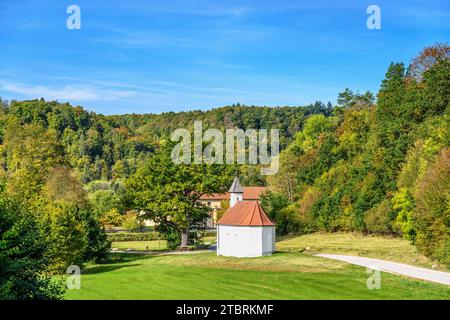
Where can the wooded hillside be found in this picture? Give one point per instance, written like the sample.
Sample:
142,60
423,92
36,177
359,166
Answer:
377,168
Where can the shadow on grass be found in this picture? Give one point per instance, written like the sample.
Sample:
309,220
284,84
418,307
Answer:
107,268
114,258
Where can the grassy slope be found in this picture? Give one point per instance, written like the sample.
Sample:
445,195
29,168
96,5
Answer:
288,275
386,248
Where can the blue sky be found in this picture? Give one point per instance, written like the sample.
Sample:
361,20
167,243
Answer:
156,56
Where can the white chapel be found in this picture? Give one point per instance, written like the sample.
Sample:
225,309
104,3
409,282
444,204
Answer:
244,230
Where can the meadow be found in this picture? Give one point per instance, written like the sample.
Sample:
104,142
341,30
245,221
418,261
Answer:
151,245
291,273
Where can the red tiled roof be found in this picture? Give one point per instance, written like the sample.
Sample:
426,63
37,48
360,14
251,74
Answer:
250,193
245,213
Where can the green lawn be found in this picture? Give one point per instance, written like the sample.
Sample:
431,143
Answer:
285,275
206,276
153,245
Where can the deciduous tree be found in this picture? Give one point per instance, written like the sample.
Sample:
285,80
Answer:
169,193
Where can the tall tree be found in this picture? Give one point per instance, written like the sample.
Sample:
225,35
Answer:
22,257
427,59
74,234
169,193
31,152
348,98
431,219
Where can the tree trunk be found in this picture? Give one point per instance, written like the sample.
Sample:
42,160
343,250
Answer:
184,237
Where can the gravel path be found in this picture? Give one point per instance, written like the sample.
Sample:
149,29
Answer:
394,267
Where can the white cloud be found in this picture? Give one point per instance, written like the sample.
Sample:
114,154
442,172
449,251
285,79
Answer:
68,92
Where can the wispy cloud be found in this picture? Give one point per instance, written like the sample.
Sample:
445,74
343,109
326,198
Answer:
211,39
69,92
151,93
187,7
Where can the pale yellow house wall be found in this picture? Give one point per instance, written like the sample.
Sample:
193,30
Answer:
214,205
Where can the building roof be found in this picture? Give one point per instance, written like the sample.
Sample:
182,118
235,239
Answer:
250,193
243,213
236,187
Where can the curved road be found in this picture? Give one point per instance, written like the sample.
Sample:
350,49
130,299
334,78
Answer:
393,267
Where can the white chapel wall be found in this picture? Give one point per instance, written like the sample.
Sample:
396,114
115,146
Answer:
239,241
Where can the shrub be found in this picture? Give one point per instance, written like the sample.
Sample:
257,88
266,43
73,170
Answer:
286,220
98,244
403,204
132,222
112,218
379,218
224,205
208,233
172,235
104,201
22,257
66,234
274,205
135,236
431,218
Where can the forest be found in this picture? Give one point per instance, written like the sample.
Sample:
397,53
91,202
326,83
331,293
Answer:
379,167
369,164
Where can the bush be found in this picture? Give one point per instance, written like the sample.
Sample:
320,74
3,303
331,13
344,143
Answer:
274,204
104,201
172,235
208,233
431,218
403,204
136,236
73,234
22,258
98,244
66,234
224,205
132,222
112,218
379,219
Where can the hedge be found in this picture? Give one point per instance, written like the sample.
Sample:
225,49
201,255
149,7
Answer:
135,236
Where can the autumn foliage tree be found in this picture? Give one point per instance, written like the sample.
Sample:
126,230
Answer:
169,193
431,217
426,59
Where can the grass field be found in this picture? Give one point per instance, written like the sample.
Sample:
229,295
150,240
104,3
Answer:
152,245
386,248
285,275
